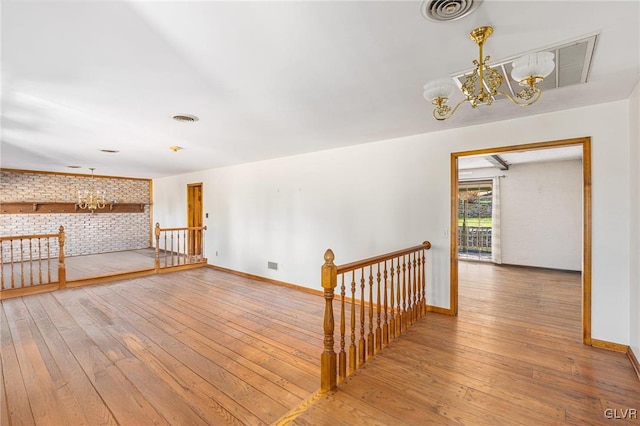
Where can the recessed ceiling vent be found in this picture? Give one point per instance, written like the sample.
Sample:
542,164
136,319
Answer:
573,62
448,10
186,118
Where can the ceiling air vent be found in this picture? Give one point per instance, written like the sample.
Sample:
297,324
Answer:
447,10
186,118
573,62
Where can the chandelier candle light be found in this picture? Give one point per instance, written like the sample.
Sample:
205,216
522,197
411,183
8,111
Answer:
91,199
481,86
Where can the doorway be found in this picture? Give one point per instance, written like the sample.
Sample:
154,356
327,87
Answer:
475,211
585,144
194,218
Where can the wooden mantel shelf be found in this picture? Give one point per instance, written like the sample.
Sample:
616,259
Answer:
46,207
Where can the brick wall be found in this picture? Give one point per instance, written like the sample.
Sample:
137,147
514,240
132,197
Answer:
86,233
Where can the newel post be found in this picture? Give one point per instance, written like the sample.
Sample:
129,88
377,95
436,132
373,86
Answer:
157,233
328,370
62,269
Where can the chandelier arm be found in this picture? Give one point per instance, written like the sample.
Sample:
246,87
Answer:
522,104
450,113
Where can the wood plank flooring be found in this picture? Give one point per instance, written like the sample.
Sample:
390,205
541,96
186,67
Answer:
205,347
513,356
77,267
92,265
184,348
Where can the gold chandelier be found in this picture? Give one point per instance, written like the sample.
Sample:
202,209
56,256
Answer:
481,86
90,199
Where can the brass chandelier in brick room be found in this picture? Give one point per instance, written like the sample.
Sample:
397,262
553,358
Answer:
91,199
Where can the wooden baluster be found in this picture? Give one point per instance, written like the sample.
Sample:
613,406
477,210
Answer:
178,248
403,323
385,326
392,318
198,243
414,282
13,282
416,295
193,249
378,329
193,256
423,304
187,257
169,249
157,234
30,261
172,248
328,378
423,280
48,260
2,268
370,342
342,357
62,269
362,353
418,269
202,244
409,293
166,252
399,288
39,261
352,346
21,264
197,235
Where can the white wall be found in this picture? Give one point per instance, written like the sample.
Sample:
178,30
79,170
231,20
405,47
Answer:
634,234
542,217
372,198
541,213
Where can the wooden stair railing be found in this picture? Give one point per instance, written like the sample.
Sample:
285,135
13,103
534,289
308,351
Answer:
27,263
179,246
396,288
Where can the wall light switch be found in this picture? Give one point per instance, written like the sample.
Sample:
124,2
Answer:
445,233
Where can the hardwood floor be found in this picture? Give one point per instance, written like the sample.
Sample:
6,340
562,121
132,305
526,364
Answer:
92,265
192,347
205,347
77,267
512,356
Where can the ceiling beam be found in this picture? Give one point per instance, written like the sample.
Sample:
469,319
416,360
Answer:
498,162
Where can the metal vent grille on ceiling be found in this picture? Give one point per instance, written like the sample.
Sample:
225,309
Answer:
573,61
447,10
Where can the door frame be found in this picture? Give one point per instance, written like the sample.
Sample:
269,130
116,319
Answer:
585,142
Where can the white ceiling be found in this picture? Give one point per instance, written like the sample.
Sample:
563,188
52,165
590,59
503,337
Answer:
267,79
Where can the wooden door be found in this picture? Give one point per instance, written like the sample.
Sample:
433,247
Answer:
194,217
